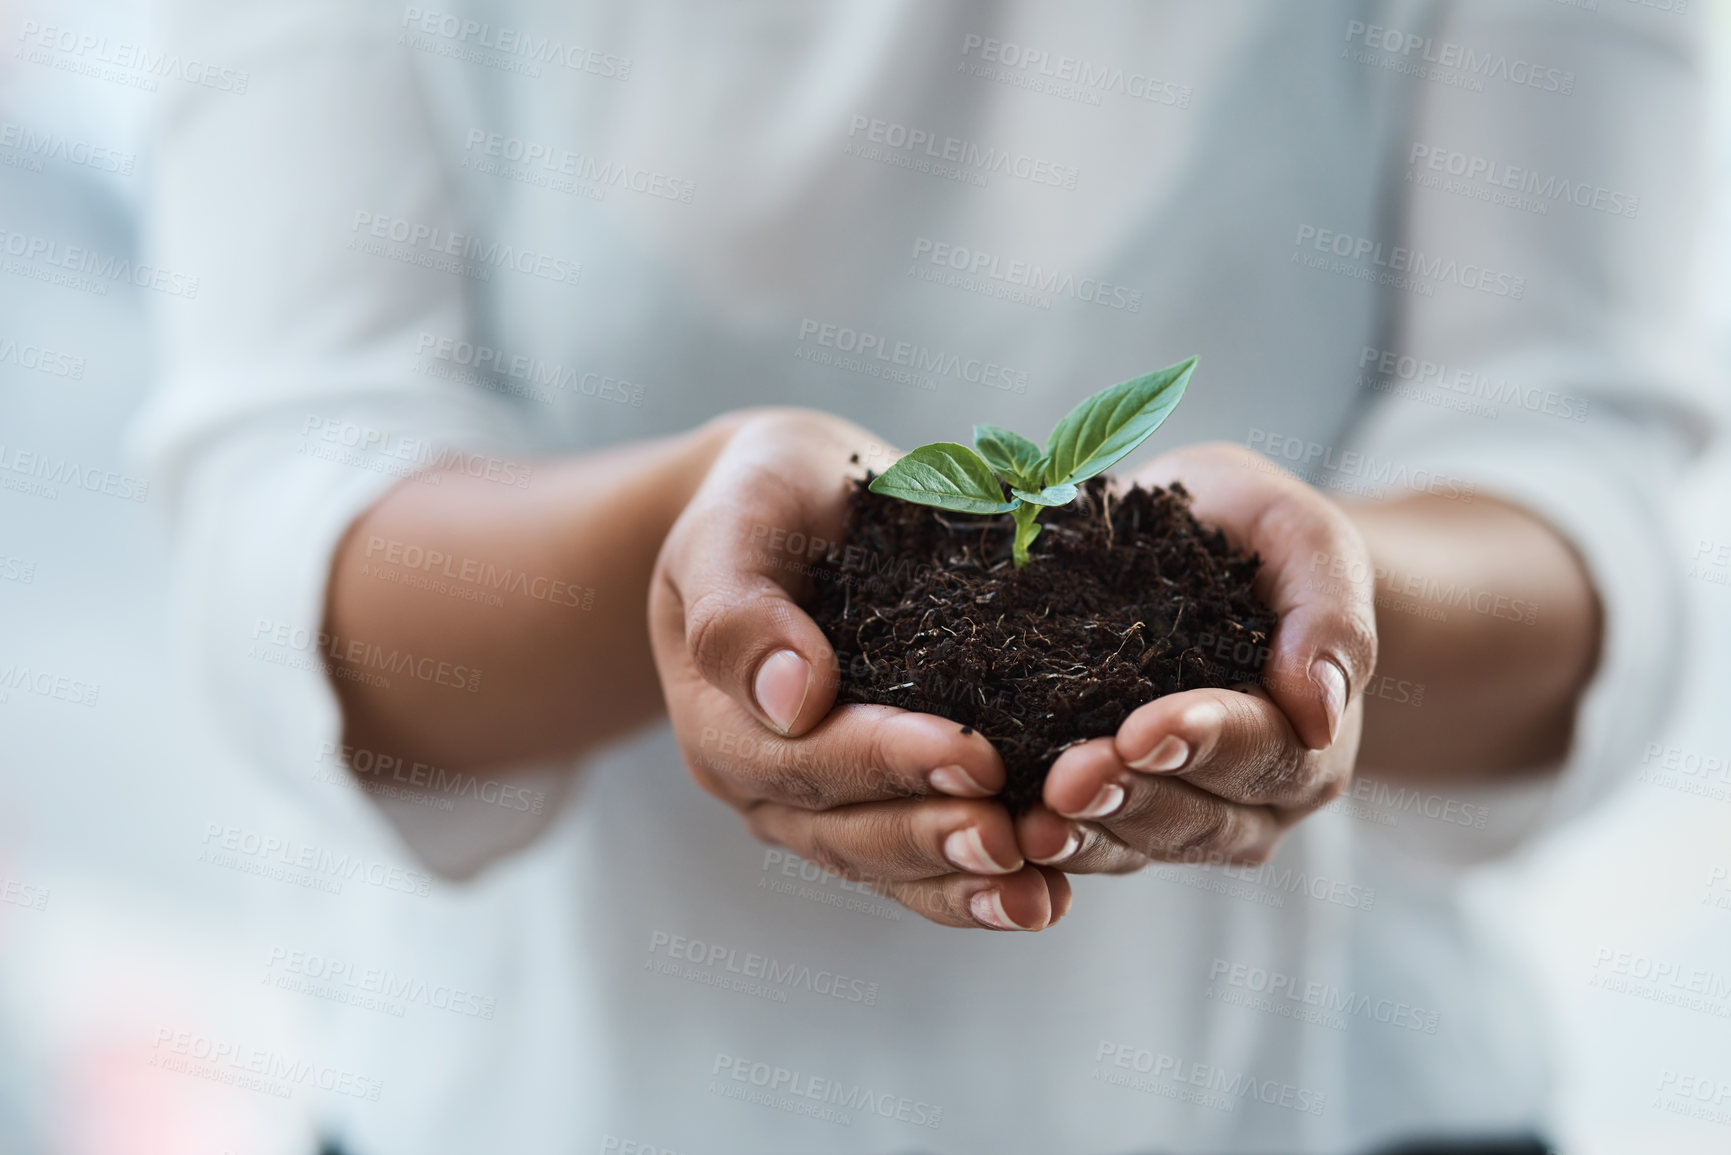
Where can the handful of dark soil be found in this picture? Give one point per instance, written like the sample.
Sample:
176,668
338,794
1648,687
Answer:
1126,599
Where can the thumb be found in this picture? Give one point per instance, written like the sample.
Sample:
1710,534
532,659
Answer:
1323,651
1324,648
723,604
745,636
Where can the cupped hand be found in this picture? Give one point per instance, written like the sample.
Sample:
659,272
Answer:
897,799
1217,776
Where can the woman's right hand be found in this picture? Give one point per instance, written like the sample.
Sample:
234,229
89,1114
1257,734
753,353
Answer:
896,799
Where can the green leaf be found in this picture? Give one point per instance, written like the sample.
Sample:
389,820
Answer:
1051,495
946,475
1011,456
1095,435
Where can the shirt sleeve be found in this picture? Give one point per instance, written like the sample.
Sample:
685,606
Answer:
1541,345
289,398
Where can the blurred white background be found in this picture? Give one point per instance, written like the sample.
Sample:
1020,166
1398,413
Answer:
116,925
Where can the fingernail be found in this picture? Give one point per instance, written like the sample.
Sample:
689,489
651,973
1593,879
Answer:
782,683
1072,843
1170,753
1110,797
966,850
988,907
955,781
1331,680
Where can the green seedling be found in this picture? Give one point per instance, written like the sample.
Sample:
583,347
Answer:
1092,437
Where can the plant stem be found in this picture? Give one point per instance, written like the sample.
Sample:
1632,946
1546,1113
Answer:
1026,531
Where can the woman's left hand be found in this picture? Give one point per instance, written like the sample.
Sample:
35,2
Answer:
1217,776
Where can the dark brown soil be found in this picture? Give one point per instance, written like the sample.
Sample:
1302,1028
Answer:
1123,601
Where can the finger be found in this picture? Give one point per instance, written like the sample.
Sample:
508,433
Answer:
857,754
1049,839
1030,899
1163,817
1237,745
1058,892
743,634
728,584
1316,575
901,841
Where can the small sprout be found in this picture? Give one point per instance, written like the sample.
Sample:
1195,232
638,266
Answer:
1092,437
